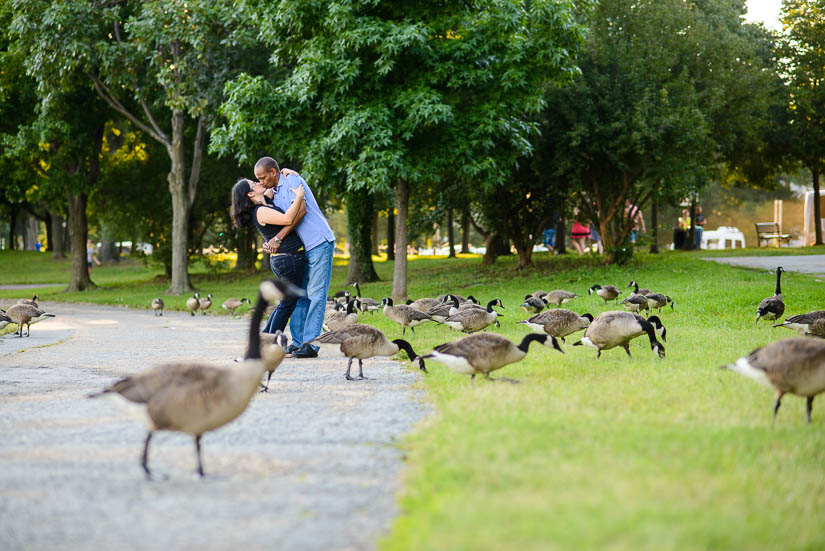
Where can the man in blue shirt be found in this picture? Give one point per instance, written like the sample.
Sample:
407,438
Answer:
319,243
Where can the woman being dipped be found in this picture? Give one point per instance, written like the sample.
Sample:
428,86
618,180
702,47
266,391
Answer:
248,207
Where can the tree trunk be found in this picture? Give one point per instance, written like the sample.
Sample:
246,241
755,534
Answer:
13,229
374,231
817,213
450,233
399,276
491,254
183,195
465,231
359,226
31,226
559,244
654,225
58,243
108,251
391,234
49,234
525,255
78,234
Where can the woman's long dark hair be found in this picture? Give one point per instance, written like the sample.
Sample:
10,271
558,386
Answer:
242,206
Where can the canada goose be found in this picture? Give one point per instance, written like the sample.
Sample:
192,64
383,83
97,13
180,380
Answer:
340,318
195,398
635,303
606,292
4,319
470,305
32,302
157,306
559,297
612,329
363,341
795,366
233,304
442,311
344,298
816,329
193,303
366,304
474,319
26,314
205,303
424,304
801,322
538,294
533,305
273,354
658,301
772,308
484,353
404,315
461,299
637,290
558,322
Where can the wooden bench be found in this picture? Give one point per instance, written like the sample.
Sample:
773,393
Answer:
766,231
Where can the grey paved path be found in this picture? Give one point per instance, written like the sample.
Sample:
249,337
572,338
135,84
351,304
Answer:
809,264
311,465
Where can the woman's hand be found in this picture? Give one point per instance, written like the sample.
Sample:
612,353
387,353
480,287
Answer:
299,192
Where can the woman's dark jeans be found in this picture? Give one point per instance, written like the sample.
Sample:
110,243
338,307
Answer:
290,267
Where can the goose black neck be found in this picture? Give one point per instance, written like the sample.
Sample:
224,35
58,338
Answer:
351,307
651,334
253,350
778,277
525,342
406,347
491,304
654,320
357,290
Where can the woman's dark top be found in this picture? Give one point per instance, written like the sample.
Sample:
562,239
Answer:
290,244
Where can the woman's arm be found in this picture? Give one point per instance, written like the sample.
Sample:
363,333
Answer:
272,216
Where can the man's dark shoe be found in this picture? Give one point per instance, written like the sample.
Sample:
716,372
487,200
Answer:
305,351
291,349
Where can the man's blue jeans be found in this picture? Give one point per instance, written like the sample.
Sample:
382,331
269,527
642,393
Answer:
291,267
308,316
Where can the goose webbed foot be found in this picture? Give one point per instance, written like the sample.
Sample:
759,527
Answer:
506,380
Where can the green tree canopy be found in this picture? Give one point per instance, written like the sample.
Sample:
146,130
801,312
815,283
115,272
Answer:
388,95
668,91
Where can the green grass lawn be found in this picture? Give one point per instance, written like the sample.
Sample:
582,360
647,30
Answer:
615,453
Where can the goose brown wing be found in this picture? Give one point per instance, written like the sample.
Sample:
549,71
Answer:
142,387
791,363
415,315
808,317
341,335
771,305
480,350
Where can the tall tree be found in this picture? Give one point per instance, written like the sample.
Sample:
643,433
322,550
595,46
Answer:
395,95
161,65
669,90
803,54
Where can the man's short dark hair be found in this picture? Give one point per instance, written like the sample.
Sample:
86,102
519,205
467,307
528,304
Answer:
267,163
